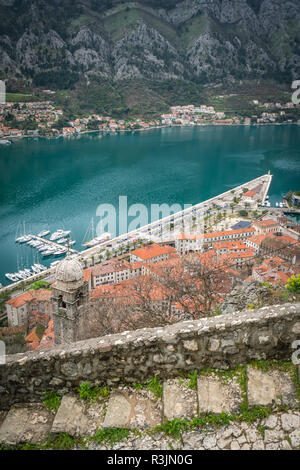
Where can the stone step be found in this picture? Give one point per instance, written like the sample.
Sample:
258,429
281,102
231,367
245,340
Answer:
218,396
267,387
179,400
26,423
77,418
132,408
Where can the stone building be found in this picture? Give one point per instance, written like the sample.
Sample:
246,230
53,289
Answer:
30,308
70,295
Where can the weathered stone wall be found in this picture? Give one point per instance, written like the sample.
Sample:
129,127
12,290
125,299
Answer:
219,342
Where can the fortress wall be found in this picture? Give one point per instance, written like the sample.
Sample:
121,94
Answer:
218,342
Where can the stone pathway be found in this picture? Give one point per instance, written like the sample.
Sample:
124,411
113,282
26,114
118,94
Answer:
133,409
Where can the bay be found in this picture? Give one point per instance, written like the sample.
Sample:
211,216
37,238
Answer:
59,183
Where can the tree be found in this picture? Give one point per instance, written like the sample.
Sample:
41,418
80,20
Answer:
293,284
243,213
180,289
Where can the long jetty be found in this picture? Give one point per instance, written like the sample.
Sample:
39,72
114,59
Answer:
51,243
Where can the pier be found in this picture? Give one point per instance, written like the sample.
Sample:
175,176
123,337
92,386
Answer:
51,243
268,184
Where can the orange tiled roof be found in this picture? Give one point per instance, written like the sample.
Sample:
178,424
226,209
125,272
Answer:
216,234
32,337
20,300
266,223
258,239
151,251
47,340
230,245
249,194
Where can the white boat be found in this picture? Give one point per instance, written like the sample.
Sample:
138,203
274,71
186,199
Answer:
90,239
5,142
35,269
276,204
54,263
44,233
19,276
42,267
44,248
11,277
62,240
48,253
56,235
21,239
97,240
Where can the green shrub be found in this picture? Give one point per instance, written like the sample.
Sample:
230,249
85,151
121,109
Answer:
86,392
111,436
293,284
52,401
155,387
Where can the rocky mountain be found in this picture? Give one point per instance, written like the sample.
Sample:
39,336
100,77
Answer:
56,44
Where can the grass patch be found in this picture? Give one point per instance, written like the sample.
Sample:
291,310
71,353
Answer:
192,384
173,428
137,386
86,392
39,285
154,386
59,442
52,401
110,436
223,375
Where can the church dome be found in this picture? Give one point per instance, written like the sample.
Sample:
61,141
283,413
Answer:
69,271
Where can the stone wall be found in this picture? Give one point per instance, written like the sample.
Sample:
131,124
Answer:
218,342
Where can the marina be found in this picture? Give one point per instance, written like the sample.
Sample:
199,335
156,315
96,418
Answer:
55,247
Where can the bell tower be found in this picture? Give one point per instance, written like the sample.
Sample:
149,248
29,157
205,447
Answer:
69,298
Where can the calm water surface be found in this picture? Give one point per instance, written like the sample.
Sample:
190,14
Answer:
59,183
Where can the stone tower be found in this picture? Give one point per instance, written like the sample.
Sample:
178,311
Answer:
69,298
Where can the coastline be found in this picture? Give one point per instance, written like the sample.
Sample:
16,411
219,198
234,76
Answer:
119,131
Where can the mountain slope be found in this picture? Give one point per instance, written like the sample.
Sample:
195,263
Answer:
195,39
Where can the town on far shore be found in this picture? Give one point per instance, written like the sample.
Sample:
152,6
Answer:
44,119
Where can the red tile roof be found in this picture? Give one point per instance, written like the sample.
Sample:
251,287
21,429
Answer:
266,223
152,251
249,194
20,300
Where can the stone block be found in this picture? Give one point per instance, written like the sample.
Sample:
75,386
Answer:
78,418
268,387
179,400
214,396
133,409
26,423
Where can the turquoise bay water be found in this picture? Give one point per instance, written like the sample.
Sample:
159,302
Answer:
60,183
